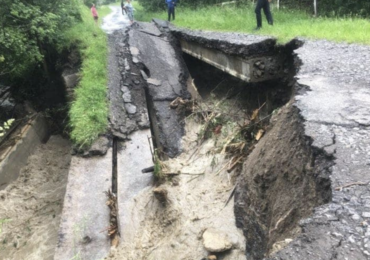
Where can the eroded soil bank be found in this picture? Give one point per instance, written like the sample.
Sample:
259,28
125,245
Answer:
30,207
246,138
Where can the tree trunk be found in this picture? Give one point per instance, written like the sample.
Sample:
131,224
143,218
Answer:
315,7
278,4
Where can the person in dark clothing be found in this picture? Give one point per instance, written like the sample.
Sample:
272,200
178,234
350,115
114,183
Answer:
265,5
123,7
171,9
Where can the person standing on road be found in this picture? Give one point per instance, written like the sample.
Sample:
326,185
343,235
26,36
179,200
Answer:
171,9
129,11
94,14
265,5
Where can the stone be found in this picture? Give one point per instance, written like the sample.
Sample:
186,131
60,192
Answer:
154,82
126,97
130,108
135,60
100,146
134,51
127,66
125,89
216,241
366,214
212,257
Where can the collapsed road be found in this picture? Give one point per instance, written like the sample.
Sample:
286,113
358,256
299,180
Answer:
262,150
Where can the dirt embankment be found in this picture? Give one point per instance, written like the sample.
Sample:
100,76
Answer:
282,181
30,207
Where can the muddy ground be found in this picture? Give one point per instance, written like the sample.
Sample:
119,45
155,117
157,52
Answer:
30,207
196,196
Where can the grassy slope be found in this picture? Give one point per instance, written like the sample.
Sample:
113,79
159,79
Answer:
287,24
89,112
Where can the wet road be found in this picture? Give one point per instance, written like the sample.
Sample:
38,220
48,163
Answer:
115,20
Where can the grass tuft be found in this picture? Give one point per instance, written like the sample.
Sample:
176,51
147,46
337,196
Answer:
89,111
287,23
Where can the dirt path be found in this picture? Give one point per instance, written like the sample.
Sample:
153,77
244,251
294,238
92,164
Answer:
30,207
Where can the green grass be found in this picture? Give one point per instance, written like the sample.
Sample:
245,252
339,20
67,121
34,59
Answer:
287,23
88,113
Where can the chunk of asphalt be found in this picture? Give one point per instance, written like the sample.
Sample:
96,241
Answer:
167,70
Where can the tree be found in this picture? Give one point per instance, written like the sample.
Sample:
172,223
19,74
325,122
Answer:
28,28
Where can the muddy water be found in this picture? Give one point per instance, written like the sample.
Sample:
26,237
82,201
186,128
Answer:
115,20
30,207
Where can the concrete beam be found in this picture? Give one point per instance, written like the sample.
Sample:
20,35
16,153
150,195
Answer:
16,157
254,69
85,213
234,66
134,157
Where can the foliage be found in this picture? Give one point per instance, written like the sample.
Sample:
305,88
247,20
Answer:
89,112
28,28
157,5
287,23
325,7
6,126
332,7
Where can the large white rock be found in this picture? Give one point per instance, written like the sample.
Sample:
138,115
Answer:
216,241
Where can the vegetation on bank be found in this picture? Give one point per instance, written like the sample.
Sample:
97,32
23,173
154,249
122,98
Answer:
287,23
88,114
359,8
34,36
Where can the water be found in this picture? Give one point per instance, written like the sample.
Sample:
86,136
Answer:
115,20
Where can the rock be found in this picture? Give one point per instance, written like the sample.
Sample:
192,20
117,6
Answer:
212,257
127,66
154,82
125,89
130,108
216,241
135,60
366,214
134,51
126,97
100,146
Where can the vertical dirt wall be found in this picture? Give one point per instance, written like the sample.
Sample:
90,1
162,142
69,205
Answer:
281,182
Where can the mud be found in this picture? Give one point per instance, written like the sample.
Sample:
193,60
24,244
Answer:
281,183
30,206
195,202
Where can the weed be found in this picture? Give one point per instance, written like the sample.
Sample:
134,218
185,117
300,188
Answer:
159,167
